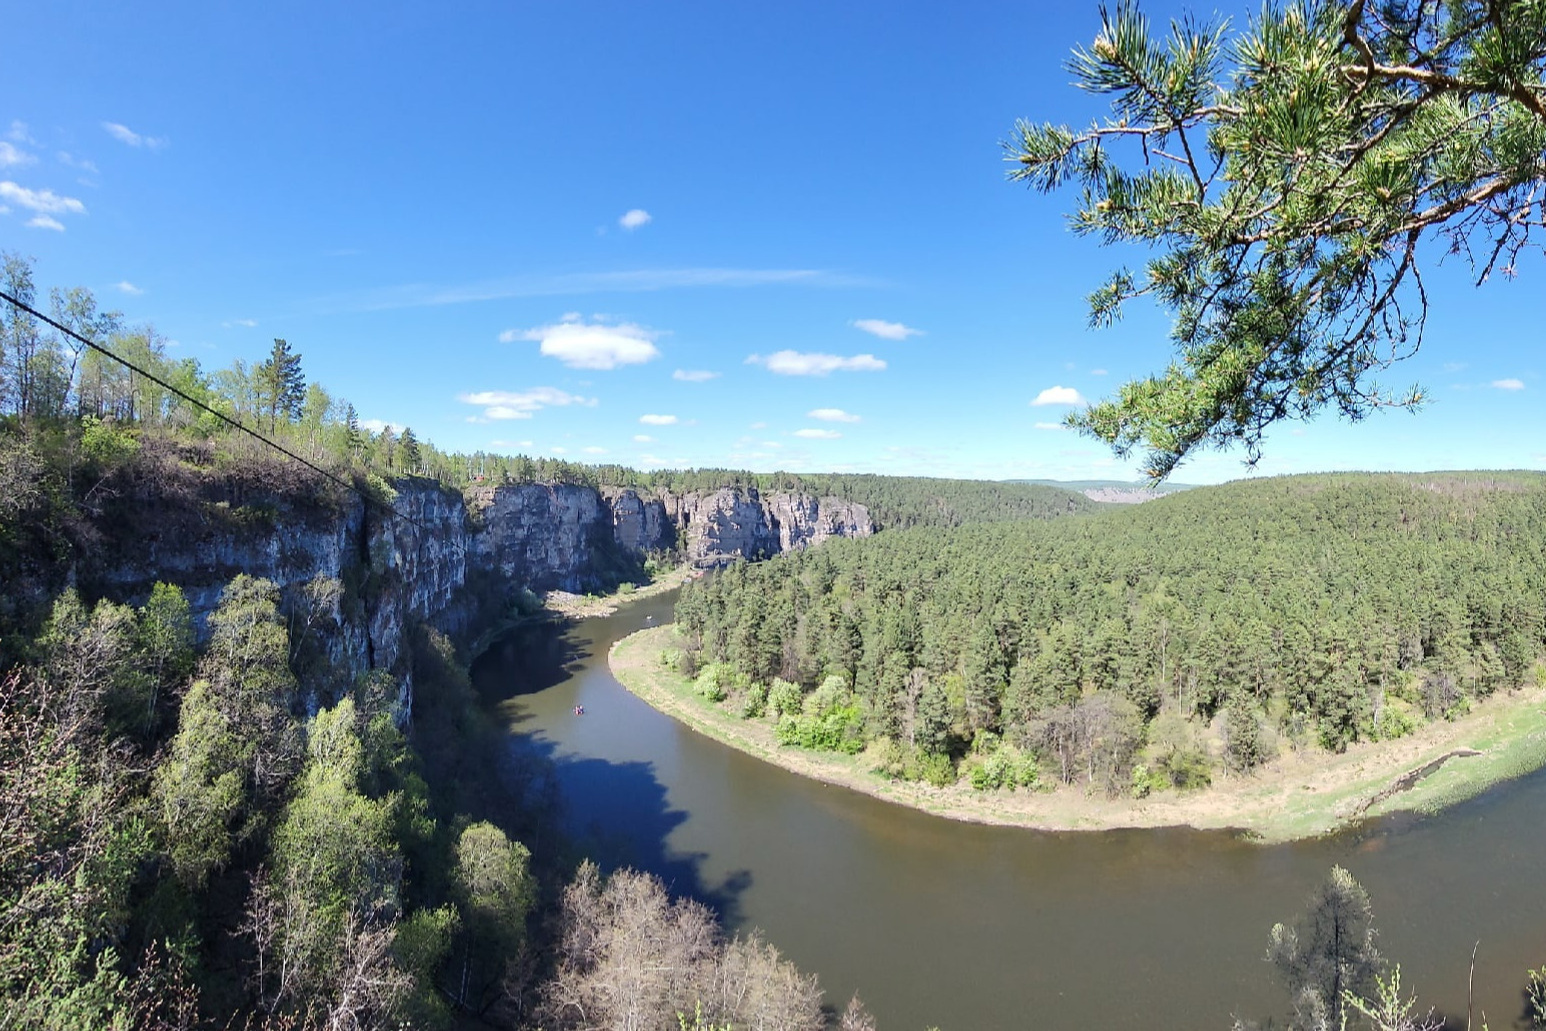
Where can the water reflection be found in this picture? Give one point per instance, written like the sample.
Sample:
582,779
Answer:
969,926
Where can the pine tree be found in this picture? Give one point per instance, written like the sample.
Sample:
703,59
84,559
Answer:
281,384
409,444
354,440
1281,184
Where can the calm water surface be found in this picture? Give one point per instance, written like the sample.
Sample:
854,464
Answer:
935,922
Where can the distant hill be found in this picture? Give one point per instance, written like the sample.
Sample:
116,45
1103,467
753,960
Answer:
1114,492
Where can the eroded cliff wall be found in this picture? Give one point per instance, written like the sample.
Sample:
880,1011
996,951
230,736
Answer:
361,577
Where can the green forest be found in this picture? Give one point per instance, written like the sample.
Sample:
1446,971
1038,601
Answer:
1142,649
229,825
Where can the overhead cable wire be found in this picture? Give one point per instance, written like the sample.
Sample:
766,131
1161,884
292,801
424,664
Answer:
234,423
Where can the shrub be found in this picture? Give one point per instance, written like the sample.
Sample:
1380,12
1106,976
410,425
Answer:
784,698
755,702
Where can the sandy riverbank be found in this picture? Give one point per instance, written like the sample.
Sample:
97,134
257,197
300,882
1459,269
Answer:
1301,795
586,606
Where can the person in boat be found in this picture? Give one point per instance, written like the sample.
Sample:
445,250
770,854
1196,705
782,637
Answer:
579,710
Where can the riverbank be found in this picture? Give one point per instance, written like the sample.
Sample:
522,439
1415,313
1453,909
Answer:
1301,795
589,606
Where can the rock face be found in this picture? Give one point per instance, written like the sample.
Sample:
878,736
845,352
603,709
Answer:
728,524
446,559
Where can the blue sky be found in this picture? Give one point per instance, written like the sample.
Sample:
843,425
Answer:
780,230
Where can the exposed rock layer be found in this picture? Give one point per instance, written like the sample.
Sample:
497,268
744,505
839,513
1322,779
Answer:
447,559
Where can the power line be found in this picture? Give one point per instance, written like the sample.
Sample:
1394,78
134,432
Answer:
67,331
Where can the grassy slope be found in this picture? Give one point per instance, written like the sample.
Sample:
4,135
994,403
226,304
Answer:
1301,795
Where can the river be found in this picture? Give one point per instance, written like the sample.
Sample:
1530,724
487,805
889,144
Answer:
935,922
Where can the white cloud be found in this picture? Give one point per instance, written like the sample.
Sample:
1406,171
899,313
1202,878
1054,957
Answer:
643,438
634,218
1454,366
593,450
1098,372
759,426
45,202
593,345
44,222
658,420
832,415
509,445
886,330
1050,426
377,425
510,404
559,450
1059,396
129,288
73,162
124,134
248,323
795,363
1509,384
815,434
11,155
694,375
19,132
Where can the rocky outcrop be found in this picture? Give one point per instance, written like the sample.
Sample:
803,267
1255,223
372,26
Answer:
729,524
542,536
362,577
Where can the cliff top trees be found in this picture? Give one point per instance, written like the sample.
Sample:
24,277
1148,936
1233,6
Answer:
281,385
1284,181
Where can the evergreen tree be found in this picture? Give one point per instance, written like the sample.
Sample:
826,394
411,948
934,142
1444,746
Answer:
281,384
408,448
1285,183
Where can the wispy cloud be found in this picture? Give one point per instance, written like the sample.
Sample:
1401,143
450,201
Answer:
1509,384
377,425
123,134
521,404
45,222
45,202
832,415
12,156
694,375
1058,396
419,295
591,345
594,450
796,363
643,438
886,330
634,218
126,287
73,162
814,434
658,420
1098,372
1050,426
20,133
245,323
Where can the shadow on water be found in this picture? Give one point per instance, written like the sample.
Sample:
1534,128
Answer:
614,811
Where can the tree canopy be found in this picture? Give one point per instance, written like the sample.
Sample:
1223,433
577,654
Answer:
1286,181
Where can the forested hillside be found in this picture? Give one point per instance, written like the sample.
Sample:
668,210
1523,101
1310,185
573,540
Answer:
1147,647
78,405
250,824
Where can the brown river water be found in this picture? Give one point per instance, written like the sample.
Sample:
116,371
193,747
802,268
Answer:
939,923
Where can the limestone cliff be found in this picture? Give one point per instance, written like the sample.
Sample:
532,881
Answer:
446,558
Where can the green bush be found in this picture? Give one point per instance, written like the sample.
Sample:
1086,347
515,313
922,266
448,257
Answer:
936,769
784,698
756,701
715,681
